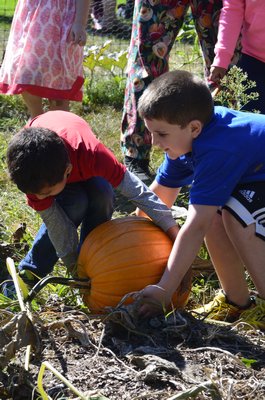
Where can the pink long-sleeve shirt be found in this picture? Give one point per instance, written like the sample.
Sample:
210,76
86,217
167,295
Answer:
247,17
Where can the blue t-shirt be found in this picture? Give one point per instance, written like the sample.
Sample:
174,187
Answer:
229,150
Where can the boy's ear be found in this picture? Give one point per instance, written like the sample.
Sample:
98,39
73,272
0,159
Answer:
68,170
195,127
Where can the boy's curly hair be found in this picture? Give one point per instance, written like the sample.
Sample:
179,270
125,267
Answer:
177,97
36,158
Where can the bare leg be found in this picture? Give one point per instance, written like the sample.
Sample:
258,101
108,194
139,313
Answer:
63,105
227,263
251,249
33,103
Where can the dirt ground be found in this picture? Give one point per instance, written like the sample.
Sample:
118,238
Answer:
121,357
118,357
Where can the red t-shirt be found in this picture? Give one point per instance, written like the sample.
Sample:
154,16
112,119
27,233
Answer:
88,156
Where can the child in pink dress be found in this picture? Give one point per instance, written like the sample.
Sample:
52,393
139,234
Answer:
246,17
44,53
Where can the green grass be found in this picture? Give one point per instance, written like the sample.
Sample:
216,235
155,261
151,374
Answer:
7,8
6,13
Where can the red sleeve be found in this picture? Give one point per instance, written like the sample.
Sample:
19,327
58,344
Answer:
37,204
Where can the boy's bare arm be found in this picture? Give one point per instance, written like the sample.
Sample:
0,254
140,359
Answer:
186,247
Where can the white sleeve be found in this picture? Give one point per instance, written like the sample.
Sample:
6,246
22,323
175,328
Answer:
62,233
141,196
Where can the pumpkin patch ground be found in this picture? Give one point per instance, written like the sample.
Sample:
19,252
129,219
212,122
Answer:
118,356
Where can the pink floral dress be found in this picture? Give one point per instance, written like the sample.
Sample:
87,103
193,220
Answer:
39,56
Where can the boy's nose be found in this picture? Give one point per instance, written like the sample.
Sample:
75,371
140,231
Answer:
153,140
156,143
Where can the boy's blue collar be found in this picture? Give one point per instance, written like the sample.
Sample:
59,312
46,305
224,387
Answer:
214,117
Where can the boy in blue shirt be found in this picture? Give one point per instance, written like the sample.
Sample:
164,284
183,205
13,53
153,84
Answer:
220,153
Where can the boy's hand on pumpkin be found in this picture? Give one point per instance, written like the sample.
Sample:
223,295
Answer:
154,301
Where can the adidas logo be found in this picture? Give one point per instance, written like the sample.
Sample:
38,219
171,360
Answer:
248,194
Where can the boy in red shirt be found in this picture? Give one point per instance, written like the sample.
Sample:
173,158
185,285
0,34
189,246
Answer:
67,175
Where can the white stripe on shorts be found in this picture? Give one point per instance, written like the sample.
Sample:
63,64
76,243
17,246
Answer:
246,216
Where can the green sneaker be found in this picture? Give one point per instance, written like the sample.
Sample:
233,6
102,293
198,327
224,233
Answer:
255,315
218,310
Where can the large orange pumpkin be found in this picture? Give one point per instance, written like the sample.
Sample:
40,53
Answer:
122,256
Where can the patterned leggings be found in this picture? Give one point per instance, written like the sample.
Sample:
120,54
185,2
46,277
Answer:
156,24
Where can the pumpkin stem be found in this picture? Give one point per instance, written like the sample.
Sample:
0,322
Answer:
80,283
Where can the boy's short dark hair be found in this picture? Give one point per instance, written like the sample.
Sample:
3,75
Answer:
177,97
36,158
